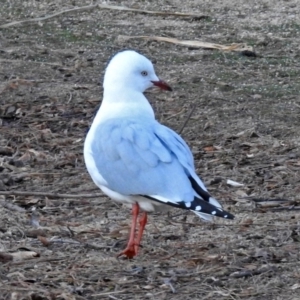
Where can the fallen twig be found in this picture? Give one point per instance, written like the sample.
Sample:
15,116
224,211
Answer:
107,293
288,208
278,203
187,119
50,195
39,261
103,6
248,273
276,226
46,242
191,43
259,200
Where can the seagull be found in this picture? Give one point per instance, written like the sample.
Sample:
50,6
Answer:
136,160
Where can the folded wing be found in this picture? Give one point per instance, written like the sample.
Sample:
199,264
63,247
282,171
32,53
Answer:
138,157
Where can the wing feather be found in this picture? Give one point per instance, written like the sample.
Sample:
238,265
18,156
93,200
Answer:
134,160
148,159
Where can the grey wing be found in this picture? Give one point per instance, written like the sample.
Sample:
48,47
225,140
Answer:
135,161
151,160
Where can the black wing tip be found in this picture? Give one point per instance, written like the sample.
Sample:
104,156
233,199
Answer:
201,206
215,212
198,206
227,215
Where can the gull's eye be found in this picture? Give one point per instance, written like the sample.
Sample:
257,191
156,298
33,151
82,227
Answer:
144,73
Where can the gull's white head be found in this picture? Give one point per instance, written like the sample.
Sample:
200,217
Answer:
131,70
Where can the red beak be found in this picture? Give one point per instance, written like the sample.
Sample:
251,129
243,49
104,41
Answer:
163,85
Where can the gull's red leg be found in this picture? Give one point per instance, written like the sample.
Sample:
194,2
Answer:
130,250
143,221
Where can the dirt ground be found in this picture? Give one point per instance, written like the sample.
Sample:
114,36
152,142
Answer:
244,127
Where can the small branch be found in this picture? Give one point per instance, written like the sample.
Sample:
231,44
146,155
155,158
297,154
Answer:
50,195
187,119
37,261
32,61
275,204
288,208
248,273
240,47
47,17
258,200
46,242
107,293
103,6
276,227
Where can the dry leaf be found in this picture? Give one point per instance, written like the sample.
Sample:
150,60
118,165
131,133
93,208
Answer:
209,149
295,286
65,296
35,233
31,200
15,83
148,287
23,255
234,183
25,157
241,193
250,267
38,154
245,224
44,241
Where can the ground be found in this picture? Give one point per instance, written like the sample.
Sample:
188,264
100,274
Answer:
244,127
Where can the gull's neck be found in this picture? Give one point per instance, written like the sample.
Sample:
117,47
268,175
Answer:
123,104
